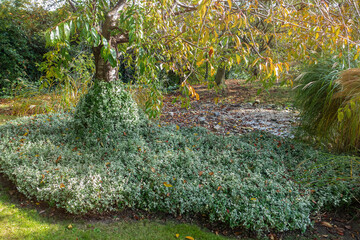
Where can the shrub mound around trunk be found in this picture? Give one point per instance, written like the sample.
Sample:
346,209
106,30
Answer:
107,107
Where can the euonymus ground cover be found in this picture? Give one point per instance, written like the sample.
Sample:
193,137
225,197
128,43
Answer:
258,181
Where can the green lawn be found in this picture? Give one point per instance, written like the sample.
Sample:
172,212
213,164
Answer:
5,118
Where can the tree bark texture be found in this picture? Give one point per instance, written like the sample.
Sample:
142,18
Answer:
103,69
220,76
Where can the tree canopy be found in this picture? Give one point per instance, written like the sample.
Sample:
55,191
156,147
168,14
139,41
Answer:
264,37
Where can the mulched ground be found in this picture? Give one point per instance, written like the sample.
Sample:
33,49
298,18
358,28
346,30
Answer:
235,111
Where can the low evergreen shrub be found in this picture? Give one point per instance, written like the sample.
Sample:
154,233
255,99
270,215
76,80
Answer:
107,106
259,181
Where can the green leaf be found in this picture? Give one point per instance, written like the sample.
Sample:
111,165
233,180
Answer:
340,116
52,37
112,57
105,52
95,37
72,27
104,41
57,33
66,31
348,112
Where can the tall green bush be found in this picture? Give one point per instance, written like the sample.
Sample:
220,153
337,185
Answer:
19,56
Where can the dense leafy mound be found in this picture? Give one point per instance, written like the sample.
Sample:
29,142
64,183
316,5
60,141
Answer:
259,181
106,107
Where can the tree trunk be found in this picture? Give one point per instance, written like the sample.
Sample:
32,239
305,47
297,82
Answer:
207,69
220,76
103,70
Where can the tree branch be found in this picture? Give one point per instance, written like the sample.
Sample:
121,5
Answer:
185,6
118,7
122,38
72,5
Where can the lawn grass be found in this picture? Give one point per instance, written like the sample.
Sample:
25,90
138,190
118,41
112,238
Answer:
4,118
26,223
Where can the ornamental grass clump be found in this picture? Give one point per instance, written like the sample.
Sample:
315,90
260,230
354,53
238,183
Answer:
259,181
348,134
328,98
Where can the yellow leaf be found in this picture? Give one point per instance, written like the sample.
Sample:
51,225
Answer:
216,100
238,59
62,185
206,36
190,238
70,226
25,133
238,42
337,32
200,62
212,70
101,144
229,2
177,235
356,56
254,63
167,184
177,127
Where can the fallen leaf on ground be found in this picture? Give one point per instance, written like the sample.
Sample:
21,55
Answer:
326,224
167,184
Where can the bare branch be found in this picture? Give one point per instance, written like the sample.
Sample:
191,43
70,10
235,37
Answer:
185,6
72,5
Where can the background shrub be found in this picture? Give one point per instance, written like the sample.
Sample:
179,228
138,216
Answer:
20,53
